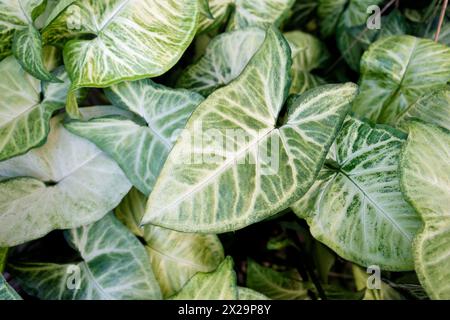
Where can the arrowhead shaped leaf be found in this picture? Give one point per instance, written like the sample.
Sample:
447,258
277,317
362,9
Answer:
396,71
425,171
140,149
6,292
66,183
276,285
174,256
132,39
114,266
24,117
215,189
217,285
355,207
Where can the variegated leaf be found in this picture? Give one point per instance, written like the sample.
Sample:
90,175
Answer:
132,39
6,292
396,72
224,59
425,171
18,35
66,183
174,256
234,139
249,294
262,13
140,149
114,265
217,285
27,48
228,54
276,285
24,117
355,207
432,108
308,53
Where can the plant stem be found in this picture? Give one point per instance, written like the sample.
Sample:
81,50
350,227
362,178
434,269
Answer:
441,20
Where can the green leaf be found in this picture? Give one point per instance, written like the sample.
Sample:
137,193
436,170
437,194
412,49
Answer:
385,292
132,40
249,294
66,183
302,14
276,285
140,149
228,54
3,256
329,12
396,72
174,256
57,9
425,172
27,48
263,13
204,9
224,59
6,292
114,265
355,207
352,34
324,260
215,189
432,108
18,35
308,53
24,116
217,285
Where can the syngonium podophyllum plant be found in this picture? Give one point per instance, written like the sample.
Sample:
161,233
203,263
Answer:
140,141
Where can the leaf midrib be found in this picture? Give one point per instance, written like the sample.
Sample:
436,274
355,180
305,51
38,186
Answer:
367,196
218,171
